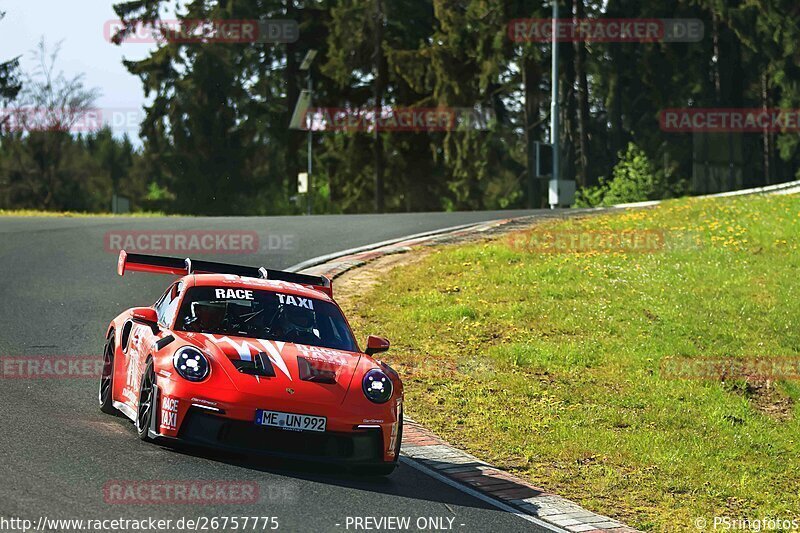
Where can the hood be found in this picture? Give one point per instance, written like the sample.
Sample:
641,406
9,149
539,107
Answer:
285,358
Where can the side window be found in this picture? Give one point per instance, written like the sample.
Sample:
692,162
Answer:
161,303
126,334
167,307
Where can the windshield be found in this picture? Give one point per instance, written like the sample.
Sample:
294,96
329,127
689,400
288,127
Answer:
264,315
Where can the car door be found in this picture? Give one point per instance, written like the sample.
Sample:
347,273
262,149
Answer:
139,347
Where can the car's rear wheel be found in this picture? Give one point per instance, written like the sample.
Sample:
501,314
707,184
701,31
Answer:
147,392
107,379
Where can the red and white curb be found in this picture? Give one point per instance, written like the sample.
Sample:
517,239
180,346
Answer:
336,264
425,451
423,446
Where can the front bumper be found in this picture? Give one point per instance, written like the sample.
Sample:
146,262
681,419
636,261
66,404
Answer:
230,425
363,447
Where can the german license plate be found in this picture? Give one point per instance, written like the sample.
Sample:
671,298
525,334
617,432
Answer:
290,421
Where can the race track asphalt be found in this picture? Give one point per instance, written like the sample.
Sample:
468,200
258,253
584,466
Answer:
59,291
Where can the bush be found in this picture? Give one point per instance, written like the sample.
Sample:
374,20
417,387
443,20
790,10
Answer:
635,179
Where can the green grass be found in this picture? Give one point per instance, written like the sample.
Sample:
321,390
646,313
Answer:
548,364
38,213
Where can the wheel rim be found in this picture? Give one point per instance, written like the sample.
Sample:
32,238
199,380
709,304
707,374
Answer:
145,402
106,376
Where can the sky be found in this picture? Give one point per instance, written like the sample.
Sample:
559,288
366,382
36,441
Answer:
79,24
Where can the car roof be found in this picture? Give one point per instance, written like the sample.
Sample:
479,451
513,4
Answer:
244,282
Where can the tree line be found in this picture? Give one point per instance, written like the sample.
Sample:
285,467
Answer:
216,137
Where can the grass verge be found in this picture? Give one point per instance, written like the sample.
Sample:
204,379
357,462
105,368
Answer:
552,365
37,213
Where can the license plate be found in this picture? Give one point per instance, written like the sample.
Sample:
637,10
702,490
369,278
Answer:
290,421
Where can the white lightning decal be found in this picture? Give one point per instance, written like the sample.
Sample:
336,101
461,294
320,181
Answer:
274,353
242,349
245,350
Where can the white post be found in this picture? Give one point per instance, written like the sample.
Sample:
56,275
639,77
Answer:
554,102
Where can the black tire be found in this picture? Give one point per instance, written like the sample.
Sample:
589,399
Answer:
146,409
107,379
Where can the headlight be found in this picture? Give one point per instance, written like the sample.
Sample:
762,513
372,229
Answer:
191,364
377,386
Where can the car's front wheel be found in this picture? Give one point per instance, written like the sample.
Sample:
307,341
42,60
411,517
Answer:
107,379
147,392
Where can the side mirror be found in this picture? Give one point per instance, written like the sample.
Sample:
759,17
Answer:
376,344
146,316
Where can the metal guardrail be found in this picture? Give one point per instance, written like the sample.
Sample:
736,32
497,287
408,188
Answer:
767,189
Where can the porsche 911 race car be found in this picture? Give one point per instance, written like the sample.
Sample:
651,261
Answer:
251,360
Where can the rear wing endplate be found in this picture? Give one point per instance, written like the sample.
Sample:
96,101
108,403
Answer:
157,264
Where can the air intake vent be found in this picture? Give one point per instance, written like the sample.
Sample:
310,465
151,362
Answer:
259,366
316,372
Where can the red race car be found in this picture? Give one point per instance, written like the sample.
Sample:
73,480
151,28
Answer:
251,360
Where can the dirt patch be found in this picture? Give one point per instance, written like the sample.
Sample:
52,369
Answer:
769,400
107,427
365,278
766,398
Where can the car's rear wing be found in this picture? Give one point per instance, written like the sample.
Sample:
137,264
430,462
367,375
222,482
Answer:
157,264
